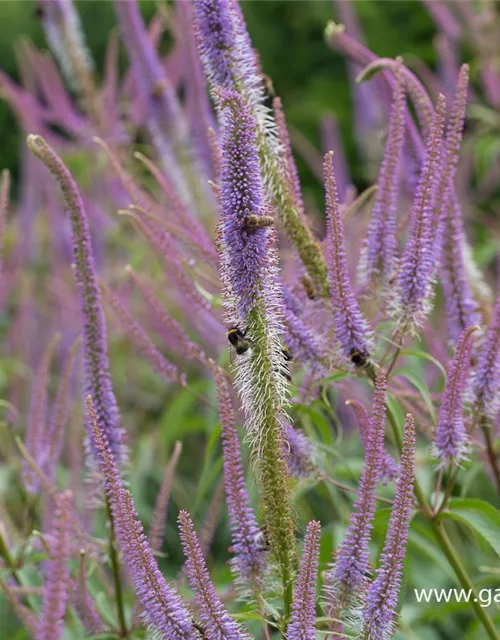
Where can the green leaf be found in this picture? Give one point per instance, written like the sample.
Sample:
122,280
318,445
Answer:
479,516
418,382
424,356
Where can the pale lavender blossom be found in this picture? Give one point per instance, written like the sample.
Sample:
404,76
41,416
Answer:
450,441
378,257
37,415
303,621
57,573
351,328
460,306
348,575
485,387
382,596
241,196
214,619
97,380
415,280
389,466
165,612
250,560
164,119
139,337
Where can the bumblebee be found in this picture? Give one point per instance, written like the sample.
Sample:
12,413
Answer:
200,630
39,11
285,370
238,340
359,358
259,222
261,540
308,284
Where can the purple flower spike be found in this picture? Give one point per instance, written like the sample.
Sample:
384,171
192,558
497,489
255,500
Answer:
485,388
241,196
350,327
348,575
164,610
244,527
389,467
378,258
450,444
37,415
214,619
97,381
56,589
216,43
165,123
414,287
302,625
460,306
140,338
382,596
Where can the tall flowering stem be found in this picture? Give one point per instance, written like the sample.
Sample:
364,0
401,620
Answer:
37,416
460,305
56,589
165,122
97,380
245,530
348,576
215,620
351,328
303,621
164,610
253,301
378,257
230,62
485,388
450,443
382,596
414,286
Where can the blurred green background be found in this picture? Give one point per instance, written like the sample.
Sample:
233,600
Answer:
310,78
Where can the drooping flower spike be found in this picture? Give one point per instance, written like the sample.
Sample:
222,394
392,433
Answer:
450,442
351,328
381,600
97,380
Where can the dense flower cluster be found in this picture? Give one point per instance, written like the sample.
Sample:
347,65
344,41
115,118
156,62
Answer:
229,309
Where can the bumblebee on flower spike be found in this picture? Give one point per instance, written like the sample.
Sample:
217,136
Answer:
238,339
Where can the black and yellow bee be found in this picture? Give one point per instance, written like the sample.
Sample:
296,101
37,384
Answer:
285,369
242,344
261,540
308,284
239,341
359,358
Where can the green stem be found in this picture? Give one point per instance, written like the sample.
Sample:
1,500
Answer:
115,568
447,547
490,450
